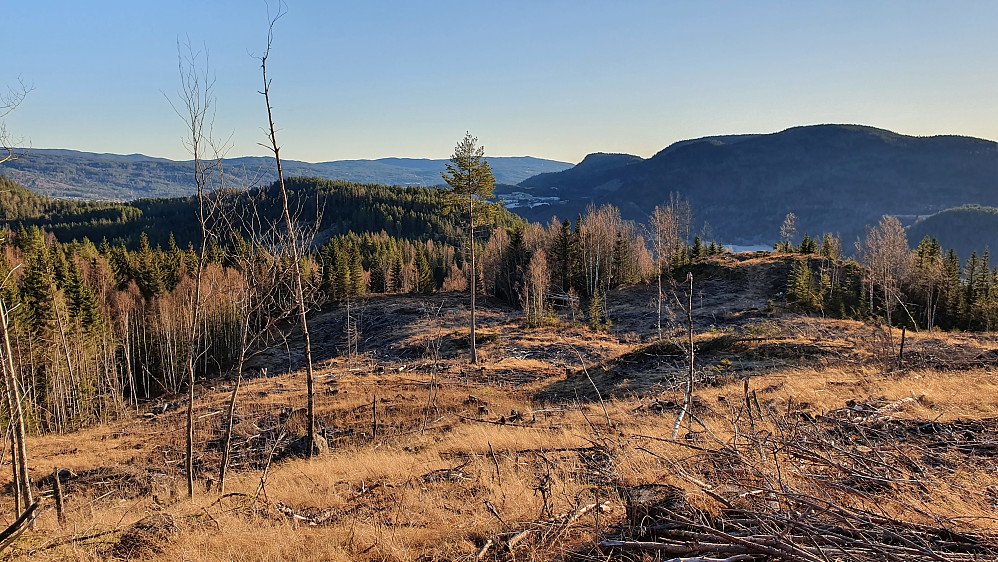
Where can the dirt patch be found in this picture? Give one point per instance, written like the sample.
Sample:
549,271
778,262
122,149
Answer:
144,537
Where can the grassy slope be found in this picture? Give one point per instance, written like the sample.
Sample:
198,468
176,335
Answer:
443,490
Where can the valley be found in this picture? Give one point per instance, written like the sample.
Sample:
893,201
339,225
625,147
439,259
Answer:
499,282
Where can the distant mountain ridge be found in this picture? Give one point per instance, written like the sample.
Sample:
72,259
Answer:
835,178
84,175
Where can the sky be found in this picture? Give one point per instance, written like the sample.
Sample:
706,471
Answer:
551,79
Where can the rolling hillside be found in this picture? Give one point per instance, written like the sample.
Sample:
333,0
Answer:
969,228
85,175
836,178
417,213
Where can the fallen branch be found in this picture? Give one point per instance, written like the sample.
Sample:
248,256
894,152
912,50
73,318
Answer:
10,534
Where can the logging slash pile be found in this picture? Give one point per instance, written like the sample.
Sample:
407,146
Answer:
852,484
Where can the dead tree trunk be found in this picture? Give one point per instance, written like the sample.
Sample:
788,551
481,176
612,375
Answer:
57,492
659,310
474,277
16,413
293,244
688,398
223,465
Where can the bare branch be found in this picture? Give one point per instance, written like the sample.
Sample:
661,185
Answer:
9,101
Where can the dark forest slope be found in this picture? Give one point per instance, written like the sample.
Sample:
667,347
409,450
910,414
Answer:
416,213
970,228
85,175
836,178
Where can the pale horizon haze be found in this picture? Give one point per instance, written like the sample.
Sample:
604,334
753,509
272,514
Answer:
551,79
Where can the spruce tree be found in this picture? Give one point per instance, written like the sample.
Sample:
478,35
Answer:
356,265
831,247
928,280
807,246
38,289
342,281
621,267
562,252
173,263
378,270
424,279
802,291
147,272
971,272
81,299
953,297
696,252
395,283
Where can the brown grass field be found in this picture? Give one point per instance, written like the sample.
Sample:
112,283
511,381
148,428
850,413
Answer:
807,441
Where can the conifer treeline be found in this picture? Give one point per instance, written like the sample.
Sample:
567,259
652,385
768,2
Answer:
930,287
330,207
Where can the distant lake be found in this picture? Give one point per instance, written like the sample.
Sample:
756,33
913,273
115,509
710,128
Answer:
737,249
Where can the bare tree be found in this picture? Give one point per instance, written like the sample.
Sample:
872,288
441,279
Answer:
597,234
9,101
257,298
196,108
534,289
667,227
293,240
688,397
19,462
887,256
788,231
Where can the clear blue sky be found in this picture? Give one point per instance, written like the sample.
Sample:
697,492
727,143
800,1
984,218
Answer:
368,79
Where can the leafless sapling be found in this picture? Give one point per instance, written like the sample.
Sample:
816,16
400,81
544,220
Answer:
292,240
196,107
9,101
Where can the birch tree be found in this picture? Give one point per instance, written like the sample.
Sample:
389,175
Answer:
886,255
668,226
597,235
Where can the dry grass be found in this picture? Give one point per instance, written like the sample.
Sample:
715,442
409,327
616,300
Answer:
517,444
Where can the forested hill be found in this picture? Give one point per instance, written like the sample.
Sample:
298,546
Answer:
415,213
89,176
969,228
835,178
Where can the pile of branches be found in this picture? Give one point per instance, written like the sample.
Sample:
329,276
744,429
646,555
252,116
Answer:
798,528
856,483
